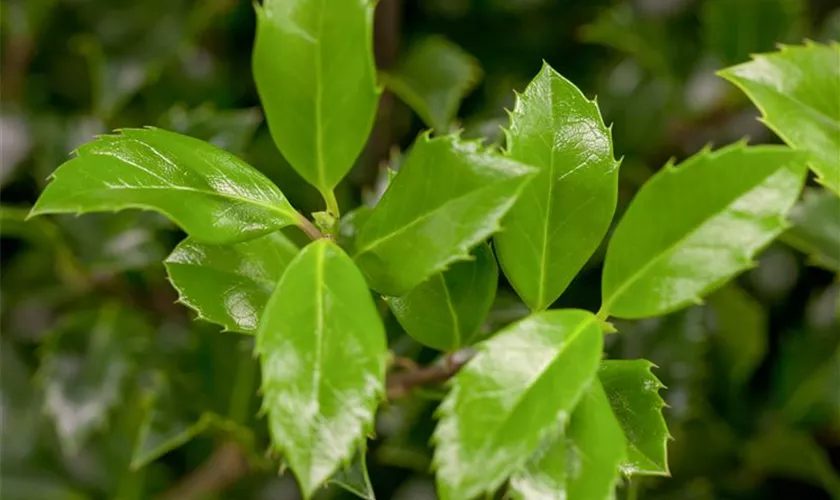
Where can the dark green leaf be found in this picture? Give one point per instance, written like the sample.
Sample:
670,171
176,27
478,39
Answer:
449,195
314,70
433,77
230,284
446,311
322,349
816,228
230,129
521,386
791,453
355,478
633,393
214,196
563,214
735,30
739,332
796,90
85,369
693,226
581,463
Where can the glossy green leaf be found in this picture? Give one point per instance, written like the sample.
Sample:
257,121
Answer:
447,310
322,350
449,195
563,214
787,452
816,228
633,393
693,226
739,327
520,388
433,78
214,196
583,462
796,90
314,70
735,30
230,284
85,369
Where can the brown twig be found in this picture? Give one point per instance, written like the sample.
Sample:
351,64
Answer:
309,228
224,467
400,384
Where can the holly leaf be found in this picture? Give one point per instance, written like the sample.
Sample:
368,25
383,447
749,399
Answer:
229,284
394,248
86,366
322,350
796,91
633,394
519,388
563,214
355,478
582,462
446,311
214,196
315,74
734,30
692,227
739,328
433,78
816,228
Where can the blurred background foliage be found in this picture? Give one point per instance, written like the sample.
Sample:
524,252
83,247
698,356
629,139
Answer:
108,389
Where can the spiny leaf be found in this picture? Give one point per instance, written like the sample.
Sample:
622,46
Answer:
633,393
581,462
446,311
796,90
229,284
433,77
730,203
322,349
448,196
562,215
314,70
521,387
214,196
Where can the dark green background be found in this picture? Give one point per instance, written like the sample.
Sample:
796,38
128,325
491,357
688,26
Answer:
74,68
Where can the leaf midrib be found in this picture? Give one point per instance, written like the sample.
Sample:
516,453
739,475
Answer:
431,213
491,442
666,251
271,207
456,326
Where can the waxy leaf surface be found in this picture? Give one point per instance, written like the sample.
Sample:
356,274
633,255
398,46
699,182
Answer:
563,214
433,77
582,462
230,284
214,196
520,388
816,228
633,394
446,311
448,196
322,349
314,70
796,90
693,226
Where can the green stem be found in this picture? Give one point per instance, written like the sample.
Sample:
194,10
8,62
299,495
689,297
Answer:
332,204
